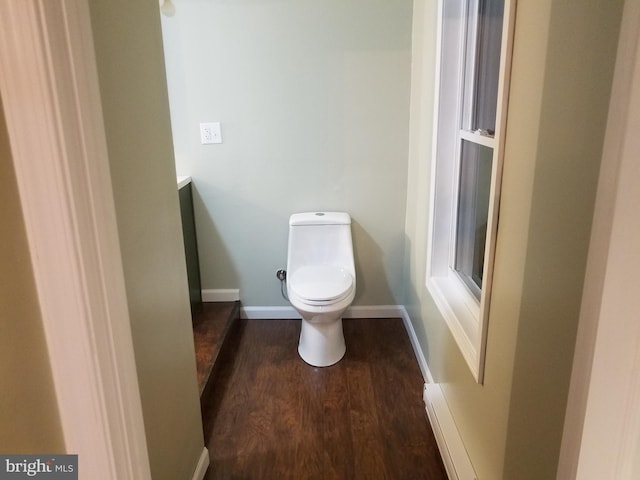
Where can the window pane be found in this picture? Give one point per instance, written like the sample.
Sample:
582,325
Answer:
473,211
482,66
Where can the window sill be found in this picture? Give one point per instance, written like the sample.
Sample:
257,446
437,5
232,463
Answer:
461,312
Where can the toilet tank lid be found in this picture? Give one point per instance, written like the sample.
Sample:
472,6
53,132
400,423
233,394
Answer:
320,218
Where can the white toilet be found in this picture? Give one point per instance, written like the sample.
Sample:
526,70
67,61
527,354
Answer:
321,282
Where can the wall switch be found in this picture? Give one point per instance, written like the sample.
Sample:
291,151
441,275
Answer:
210,133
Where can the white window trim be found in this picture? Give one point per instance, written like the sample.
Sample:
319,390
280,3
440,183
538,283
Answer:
466,317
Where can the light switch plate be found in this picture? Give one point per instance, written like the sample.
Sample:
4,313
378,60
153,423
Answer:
210,133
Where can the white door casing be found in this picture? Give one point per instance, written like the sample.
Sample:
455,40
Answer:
601,436
49,89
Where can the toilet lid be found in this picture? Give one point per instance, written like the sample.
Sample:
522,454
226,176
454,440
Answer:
321,282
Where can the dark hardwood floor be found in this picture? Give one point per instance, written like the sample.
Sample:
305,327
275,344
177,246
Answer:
211,324
268,415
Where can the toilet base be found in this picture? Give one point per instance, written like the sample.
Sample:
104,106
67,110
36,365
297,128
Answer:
321,344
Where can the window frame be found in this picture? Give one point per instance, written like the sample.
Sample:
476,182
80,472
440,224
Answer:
465,314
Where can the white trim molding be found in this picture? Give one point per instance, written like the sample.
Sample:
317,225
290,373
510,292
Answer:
288,312
415,343
49,85
201,467
221,295
454,455
269,313
601,437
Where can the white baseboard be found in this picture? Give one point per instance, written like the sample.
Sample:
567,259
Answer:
288,312
203,464
268,313
422,361
221,295
454,455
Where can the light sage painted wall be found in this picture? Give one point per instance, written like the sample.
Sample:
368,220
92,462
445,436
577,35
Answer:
29,419
129,55
562,66
313,99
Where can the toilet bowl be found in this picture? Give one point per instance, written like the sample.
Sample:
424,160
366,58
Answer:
321,282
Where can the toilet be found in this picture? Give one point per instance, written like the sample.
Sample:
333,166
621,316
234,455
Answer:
321,282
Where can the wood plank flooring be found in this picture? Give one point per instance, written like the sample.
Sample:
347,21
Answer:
211,324
269,415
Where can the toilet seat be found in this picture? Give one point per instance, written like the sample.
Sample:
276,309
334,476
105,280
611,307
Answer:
321,284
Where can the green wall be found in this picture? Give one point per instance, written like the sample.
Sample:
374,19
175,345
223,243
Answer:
562,66
313,100
29,419
130,62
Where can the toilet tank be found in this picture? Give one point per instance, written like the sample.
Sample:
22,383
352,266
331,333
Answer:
320,238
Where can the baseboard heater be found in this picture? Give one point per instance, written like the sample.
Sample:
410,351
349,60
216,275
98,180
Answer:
454,455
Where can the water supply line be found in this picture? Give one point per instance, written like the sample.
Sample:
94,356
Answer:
282,276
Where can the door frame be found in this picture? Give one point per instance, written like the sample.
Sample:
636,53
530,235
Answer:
50,94
49,85
601,436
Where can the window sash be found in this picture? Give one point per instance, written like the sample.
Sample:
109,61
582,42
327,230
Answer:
480,49
464,312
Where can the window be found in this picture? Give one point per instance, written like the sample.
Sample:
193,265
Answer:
472,214
474,41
